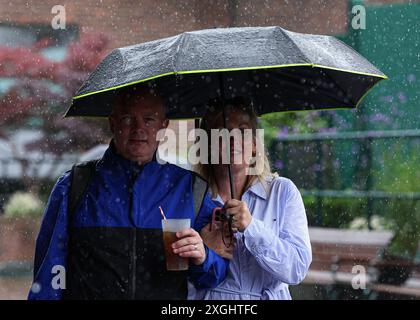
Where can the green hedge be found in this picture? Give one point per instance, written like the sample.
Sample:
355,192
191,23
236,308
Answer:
336,212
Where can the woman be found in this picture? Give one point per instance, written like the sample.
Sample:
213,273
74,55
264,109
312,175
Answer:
271,242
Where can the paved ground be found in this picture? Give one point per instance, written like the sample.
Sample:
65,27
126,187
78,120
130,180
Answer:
14,288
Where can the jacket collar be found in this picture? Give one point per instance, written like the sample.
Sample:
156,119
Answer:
116,160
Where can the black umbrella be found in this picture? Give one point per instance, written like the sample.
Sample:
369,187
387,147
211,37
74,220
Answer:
278,70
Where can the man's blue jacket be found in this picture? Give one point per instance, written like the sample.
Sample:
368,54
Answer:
112,247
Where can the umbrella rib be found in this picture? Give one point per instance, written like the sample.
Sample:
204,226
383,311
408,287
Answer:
344,91
284,32
177,55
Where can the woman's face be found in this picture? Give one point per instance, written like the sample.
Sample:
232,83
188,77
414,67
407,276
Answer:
241,142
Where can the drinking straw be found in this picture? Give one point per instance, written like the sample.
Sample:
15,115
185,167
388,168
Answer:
161,211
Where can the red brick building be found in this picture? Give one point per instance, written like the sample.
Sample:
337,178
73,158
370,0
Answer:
127,22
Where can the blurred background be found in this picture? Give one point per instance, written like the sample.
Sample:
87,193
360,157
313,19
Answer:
358,170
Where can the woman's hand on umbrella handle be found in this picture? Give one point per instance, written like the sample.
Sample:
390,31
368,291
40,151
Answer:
241,215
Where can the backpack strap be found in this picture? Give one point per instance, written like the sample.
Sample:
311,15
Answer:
199,188
80,178
82,173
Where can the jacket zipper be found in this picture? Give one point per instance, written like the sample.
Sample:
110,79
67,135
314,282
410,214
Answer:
134,236
133,248
134,262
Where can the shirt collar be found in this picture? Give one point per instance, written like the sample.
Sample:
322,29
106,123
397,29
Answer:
256,188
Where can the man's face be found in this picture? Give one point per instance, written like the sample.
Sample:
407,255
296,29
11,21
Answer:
134,125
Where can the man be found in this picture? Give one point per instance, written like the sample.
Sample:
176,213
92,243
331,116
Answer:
111,247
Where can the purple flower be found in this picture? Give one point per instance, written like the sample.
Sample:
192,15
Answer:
402,97
279,164
316,167
282,132
411,78
327,130
379,117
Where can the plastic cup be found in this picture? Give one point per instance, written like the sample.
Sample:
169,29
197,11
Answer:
170,227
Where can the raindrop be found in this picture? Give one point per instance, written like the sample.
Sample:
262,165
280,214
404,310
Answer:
36,287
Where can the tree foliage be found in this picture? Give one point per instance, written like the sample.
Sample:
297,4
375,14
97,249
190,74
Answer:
42,89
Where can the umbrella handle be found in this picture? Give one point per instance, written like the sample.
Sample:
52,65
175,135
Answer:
222,99
232,186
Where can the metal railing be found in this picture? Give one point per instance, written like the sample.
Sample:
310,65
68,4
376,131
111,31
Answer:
42,167
15,171
365,137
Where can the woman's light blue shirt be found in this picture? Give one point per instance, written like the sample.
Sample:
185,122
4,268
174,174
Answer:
273,251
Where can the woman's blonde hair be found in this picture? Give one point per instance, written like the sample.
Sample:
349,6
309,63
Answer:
215,109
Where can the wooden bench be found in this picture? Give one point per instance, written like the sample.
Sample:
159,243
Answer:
335,252
340,250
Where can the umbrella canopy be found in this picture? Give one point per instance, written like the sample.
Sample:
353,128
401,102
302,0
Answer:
278,70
